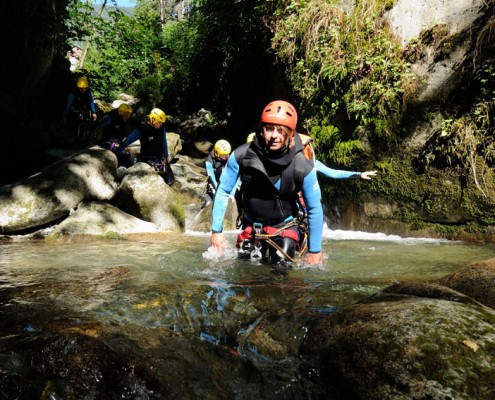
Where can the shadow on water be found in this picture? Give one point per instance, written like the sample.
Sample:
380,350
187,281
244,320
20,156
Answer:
129,320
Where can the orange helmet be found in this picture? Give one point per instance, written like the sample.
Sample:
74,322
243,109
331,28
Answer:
280,112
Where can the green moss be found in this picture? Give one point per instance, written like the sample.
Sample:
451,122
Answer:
53,237
177,210
437,201
110,235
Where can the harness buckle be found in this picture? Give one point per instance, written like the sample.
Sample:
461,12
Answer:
256,252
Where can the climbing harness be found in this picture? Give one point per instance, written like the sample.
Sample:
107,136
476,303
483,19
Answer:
249,242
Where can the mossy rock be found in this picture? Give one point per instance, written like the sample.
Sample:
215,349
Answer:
401,346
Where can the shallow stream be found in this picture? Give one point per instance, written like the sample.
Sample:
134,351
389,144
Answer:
168,309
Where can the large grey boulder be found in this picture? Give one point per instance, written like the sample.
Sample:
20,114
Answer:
102,220
144,194
202,220
190,179
53,192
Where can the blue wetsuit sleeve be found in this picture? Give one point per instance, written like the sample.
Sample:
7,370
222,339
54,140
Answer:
92,103
236,186
68,103
335,173
165,144
105,121
228,182
133,136
211,174
312,197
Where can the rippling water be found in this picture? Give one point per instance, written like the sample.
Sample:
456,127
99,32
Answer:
138,288
118,279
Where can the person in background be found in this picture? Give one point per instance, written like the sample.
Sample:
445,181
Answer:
111,129
73,55
80,108
154,149
272,170
215,162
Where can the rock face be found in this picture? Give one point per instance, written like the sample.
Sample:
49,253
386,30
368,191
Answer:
408,18
53,192
430,186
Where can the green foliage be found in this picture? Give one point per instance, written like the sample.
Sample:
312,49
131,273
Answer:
188,64
331,147
125,51
212,48
181,41
346,68
81,19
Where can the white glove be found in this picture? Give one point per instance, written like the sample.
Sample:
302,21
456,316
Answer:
367,175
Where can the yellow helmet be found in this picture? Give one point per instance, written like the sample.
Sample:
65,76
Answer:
124,108
157,115
82,82
222,147
250,137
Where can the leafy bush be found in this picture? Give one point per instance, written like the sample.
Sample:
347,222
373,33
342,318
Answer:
346,69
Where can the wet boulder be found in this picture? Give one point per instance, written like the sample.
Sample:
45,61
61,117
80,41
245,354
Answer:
174,144
403,344
197,149
476,280
102,220
144,194
50,194
190,179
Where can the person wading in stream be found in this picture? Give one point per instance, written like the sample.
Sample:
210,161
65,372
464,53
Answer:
273,170
322,168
